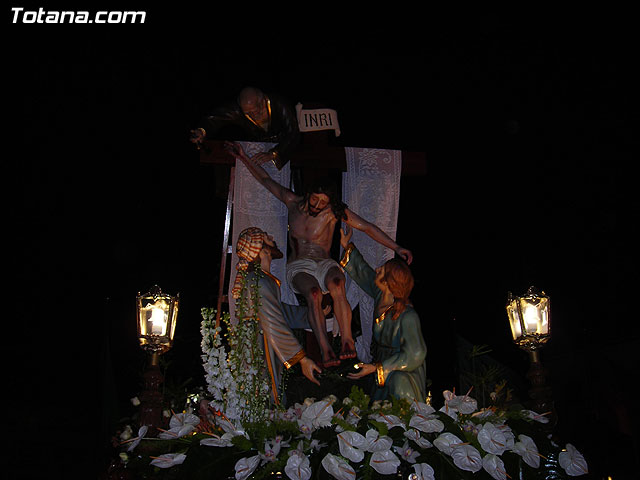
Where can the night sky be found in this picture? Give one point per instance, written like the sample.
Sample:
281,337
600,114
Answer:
529,128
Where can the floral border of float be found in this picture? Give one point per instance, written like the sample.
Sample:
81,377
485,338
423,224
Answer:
332,438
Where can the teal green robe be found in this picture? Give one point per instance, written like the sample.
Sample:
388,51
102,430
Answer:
400,349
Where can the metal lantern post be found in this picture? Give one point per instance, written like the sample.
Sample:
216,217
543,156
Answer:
530,321
156,318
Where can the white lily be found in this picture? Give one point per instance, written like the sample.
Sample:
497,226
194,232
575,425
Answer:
384,462
298,468
414,435
491,439
527,449
446,441
376,443
168,460
426,423
466,457
338,468
407,453
318,414
351,444
494,466
424,471
572,461
246,466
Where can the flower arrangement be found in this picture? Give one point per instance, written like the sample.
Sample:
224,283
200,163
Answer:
236,436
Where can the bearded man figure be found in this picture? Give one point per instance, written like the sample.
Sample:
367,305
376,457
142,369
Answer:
311,271
256,250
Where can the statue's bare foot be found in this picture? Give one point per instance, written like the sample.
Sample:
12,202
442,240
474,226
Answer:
348,349
329,359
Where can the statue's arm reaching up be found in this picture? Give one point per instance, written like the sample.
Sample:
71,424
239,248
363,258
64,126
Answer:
260,174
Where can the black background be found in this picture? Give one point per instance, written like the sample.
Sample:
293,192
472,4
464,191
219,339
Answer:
529,125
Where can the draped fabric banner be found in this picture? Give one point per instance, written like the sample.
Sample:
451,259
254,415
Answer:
371,188
255,206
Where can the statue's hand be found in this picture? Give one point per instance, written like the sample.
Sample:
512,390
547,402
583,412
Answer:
236,150
345,235
364,369
405,254
308,367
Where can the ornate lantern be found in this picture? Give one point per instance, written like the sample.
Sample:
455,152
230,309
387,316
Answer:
157,313
529,318
530,322
156,318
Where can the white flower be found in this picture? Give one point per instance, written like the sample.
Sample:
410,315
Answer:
168,460
491,439
181,424
135,401
422,408
389,420
216,441
466,457
351,444
494,466
384,462
407,453
572,461
142,431
126,434
528,450
318,414
375,443
424,471
298,468
347,401
446,441
414,435
338,468
246,466
451,412
426,423
530,414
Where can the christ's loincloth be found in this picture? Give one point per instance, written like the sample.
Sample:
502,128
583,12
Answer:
317,268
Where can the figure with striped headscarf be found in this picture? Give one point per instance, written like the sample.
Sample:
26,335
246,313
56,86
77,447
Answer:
256,249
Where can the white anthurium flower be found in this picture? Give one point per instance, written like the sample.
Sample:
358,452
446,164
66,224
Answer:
351,445
376,443
384,462
423,471
217,441
142,431
414,435
246,466
527,449
451,412
508,435
318,414
538,417
407,453
298,468
491,439
466,457
389,420
422,408
494,466
426,423
338,468
168,460
463,404
181,424
572,461
446,441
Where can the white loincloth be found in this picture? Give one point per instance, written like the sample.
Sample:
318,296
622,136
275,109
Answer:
316,268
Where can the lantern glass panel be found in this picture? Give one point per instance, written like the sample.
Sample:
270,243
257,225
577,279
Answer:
157,314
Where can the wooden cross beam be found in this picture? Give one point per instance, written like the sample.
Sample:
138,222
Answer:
313,154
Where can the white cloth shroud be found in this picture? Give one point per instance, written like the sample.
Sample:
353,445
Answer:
255,206
371,188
